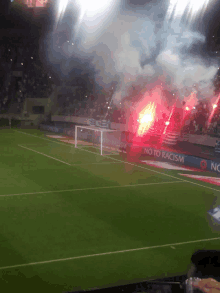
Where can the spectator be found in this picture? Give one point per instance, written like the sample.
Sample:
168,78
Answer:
207,285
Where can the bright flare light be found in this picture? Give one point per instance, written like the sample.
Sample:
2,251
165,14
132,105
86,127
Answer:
146,118
167,122
213,111
177,8
187,108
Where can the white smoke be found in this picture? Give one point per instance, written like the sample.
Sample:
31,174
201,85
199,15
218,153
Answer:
141,46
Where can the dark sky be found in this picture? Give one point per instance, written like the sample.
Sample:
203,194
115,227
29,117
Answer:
4,7
212,20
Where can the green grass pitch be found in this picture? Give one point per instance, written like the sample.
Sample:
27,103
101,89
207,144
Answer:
71,219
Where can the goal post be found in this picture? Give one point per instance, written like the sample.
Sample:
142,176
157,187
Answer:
105,140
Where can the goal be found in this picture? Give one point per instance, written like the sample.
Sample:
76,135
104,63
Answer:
100,140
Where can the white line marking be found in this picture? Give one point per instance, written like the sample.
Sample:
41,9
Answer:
112,154
115,252
105,163
86,146
105,253
158,172
43,155
183,180
50,140
105,149
90,188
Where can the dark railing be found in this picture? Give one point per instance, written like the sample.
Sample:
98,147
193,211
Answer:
169,285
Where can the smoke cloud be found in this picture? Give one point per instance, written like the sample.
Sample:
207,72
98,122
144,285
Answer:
138,46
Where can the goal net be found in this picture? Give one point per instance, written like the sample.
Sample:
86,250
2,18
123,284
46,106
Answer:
99,140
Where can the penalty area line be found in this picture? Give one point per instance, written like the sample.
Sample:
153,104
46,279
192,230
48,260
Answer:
105,163
91,188
105,253
44,155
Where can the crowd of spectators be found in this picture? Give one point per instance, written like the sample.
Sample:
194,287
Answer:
201,120
91,107
22,73
23,76
204,119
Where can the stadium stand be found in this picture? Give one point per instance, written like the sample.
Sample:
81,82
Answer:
21,57
24,76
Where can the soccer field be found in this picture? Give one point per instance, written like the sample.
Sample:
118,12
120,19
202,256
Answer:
72,219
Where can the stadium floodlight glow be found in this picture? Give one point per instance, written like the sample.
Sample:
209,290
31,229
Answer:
92,8
190,8
90,13
61,9
214,106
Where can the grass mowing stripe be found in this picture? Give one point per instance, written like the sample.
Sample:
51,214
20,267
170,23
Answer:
106,253
44,155
90,188
157,172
